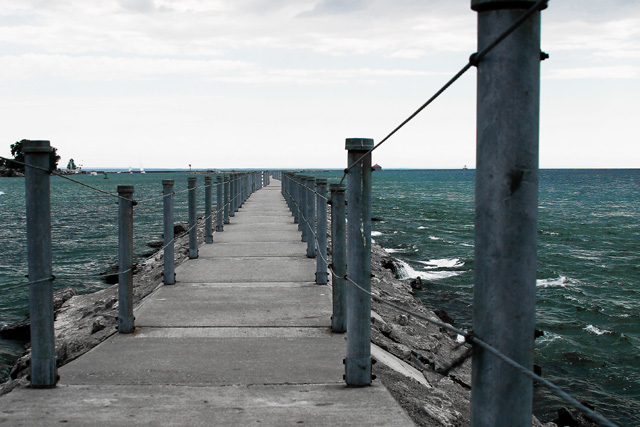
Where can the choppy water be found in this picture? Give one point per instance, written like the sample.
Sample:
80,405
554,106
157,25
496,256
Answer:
588,297
588,294
84,232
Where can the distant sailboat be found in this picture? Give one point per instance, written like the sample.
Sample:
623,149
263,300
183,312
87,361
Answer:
142,170
130,169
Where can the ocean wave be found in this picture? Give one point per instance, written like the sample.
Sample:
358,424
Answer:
392,251
376,233
434,238
556,282
548,337
2,193
422,227
442,263
593,330
405,271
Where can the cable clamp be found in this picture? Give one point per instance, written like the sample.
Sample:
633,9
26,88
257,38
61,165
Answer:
469,337
473,59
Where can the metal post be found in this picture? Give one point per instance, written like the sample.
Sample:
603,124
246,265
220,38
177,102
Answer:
37,190
125,259
193,230
226,199
302,208
169,242
506,212
358,361
232,194
311,217
321,260
338,258
219,204
208,215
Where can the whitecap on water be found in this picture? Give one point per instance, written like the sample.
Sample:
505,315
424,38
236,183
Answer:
422,227
392,251
434,238
552,282
376,233
405,271
442,263
594,330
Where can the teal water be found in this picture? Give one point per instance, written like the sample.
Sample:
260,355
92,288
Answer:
84,228
588,293
588,296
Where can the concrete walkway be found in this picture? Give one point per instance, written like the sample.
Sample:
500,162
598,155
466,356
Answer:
241,339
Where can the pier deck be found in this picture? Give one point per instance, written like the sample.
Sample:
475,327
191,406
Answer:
243,338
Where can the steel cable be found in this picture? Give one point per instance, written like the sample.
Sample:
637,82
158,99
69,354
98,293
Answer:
473,61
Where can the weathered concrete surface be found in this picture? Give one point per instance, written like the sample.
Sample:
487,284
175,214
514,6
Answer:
238,340
268,304
168,405
250,249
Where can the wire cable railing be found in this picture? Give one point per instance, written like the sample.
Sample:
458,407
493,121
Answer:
474,59
469,336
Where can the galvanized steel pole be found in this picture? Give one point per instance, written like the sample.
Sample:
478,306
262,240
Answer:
338,258
232,194
125,259
193,230
169,242
226,199
311,217
321,260
37,190
302,207
358,361
208,221
219,203
506,212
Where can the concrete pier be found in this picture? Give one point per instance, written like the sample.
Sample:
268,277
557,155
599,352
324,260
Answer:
242,338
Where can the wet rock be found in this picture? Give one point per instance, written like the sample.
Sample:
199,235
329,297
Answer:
155,244
565,418
21,330
444,316
389,265
537,333
417,283
179,229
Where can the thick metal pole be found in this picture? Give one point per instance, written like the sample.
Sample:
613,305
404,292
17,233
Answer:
125,259
226,199
338,258
219,203
233,185
302,207
358,361
321,260
37,189
193,230
208,215
311,217
506,212
169,242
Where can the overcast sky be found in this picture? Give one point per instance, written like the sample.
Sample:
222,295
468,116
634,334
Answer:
282,83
